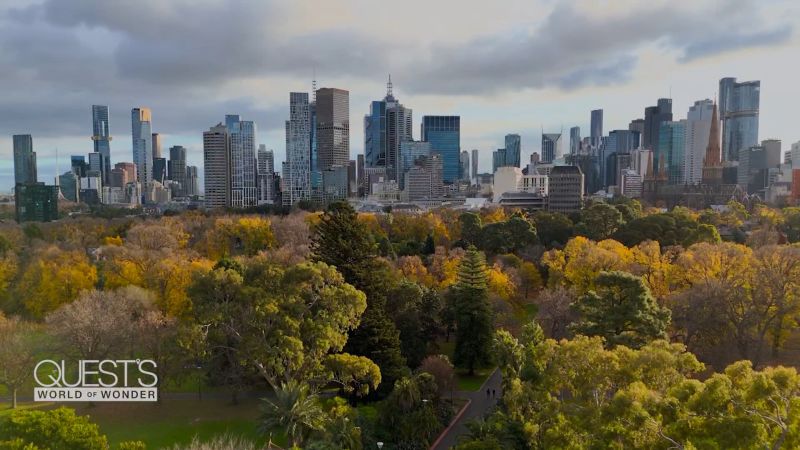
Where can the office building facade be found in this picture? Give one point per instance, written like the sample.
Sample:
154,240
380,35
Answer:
333,127
444,134
243,161
698,129
551,147
513,150
24,160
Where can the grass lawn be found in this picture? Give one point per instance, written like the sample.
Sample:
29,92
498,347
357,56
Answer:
175,421
472,382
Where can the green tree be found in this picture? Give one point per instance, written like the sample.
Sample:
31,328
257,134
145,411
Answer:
471,226
621,310
553,228
295,409
58,428
340,240
599,221
279,322
510,236
472,313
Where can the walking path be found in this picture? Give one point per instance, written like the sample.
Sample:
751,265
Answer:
479,405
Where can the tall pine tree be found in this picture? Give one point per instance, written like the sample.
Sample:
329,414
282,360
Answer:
342,241
469,300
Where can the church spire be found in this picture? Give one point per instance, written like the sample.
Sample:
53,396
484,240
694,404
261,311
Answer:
712,163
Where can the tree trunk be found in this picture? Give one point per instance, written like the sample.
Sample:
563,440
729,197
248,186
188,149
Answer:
13,397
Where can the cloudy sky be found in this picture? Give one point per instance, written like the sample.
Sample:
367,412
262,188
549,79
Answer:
503,66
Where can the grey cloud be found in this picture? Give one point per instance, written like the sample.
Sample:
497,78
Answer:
571,50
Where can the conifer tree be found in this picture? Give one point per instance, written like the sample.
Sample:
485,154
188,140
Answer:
472,313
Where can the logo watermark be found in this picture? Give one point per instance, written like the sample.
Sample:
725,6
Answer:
92,380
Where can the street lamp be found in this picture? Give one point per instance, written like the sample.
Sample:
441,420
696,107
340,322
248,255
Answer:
380,445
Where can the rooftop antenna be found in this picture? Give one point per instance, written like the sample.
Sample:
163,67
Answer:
389,86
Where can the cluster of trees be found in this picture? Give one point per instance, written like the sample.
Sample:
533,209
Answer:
364,303
580,394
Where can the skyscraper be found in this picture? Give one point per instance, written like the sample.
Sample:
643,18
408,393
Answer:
653,116
101,137
596,129
387,125
698,128
217,167
297,169
156,145
551,147
333,128
142,144
738,109
191,181
465,165
444,134
266,173
243,161
24,160
574,140
671,149
177,167
499,159
513,150
474,163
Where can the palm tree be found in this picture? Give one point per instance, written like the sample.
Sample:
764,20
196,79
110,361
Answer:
295,409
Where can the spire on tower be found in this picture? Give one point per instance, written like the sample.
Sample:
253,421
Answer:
389,87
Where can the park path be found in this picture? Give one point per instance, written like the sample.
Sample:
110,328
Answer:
479,406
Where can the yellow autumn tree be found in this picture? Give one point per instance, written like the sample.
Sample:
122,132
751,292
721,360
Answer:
54,277
413,269
654,266
581,260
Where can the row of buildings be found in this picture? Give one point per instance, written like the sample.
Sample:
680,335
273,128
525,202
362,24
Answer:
150,179
662,158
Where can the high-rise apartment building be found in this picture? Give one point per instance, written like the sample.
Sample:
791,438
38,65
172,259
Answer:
698,128
333,127
551,147
101,137
217,167
177,167
739,105
596,127
36,202
637,125
653,116
444,134
243,161
24,160
513,150
499,159
474,163
141,126
574,140
297,168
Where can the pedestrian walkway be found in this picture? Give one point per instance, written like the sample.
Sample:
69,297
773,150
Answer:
480,405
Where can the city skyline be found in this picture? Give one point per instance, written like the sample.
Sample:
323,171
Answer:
676,63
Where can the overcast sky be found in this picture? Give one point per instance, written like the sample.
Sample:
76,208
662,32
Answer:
503,66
